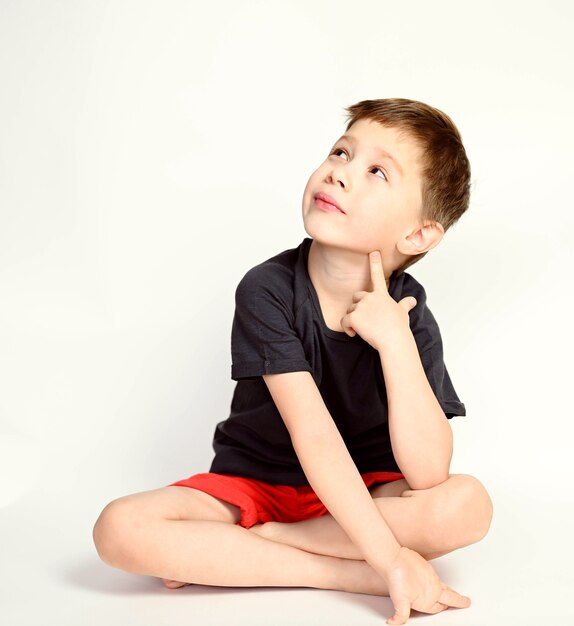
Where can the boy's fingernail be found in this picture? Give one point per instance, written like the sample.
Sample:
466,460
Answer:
374,255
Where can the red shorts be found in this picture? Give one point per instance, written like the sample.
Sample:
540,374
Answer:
262,502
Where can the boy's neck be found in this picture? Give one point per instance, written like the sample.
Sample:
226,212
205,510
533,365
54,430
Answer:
337,273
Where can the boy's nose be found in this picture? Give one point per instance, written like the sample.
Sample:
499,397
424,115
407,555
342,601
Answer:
338,175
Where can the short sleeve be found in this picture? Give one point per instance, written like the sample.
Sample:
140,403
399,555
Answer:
429,343
439,380
263,338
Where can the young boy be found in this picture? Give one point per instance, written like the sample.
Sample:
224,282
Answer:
332,470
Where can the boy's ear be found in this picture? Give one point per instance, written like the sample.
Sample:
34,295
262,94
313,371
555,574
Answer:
422,239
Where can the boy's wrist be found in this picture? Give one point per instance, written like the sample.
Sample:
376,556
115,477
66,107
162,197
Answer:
380,547
399,337
382,559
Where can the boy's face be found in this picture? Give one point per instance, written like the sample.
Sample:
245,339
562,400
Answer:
379,194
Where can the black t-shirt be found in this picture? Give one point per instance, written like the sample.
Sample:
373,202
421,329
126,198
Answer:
278,327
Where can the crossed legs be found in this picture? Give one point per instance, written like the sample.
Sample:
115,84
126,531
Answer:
177,535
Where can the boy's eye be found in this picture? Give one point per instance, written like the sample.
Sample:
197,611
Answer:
380,170
338,150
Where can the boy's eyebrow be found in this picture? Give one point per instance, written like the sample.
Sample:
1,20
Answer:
382,152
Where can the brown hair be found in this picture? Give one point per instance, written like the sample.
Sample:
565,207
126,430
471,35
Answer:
445,167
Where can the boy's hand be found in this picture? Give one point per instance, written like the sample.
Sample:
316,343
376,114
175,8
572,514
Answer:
374,314
413,584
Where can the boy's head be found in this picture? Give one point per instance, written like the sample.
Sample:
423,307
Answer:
400,174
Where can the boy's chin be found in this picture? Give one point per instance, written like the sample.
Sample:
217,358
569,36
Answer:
324,233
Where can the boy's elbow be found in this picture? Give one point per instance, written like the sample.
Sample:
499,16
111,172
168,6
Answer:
426,482
425,478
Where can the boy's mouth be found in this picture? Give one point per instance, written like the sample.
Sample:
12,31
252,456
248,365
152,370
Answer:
326,202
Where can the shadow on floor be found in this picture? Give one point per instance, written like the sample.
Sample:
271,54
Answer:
95,576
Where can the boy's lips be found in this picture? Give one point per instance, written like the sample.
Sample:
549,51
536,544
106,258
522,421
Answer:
327,203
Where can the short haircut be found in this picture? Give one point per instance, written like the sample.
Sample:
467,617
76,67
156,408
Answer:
445,168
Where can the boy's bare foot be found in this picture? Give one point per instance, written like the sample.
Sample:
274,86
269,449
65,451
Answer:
173,584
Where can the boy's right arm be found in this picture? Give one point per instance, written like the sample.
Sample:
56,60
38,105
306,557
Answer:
411,580
329,467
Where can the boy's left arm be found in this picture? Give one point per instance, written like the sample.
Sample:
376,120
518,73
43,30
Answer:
421,436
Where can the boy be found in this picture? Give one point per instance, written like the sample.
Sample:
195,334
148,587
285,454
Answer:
332,470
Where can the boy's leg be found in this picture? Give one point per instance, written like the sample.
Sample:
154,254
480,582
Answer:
161,533
431,521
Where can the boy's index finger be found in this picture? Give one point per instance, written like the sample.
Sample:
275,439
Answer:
377,271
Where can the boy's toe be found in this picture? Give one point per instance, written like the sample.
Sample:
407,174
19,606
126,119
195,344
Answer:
173,584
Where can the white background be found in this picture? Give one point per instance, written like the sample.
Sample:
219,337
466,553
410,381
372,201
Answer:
150,154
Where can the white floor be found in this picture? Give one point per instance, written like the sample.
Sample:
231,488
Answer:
519,574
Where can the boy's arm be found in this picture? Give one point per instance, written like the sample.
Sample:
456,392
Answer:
421,436
329,467
411,580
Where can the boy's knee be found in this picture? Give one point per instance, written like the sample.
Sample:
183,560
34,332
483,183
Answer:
460,511
473,506
112,531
